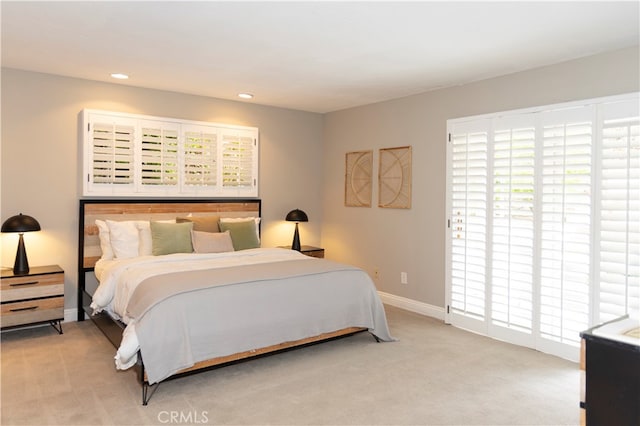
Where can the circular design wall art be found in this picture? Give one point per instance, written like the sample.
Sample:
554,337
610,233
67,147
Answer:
358,177
394,178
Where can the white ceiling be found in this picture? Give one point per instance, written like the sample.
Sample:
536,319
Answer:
314,56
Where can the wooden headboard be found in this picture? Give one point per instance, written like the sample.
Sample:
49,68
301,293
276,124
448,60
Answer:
136,209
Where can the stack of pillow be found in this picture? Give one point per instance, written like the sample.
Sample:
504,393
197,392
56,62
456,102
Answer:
193,234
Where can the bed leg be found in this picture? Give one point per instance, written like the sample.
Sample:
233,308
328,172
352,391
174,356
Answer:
148,391
375,337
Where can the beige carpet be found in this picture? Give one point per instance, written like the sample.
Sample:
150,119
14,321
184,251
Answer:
434,375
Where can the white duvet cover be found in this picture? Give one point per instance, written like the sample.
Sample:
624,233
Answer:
119,278
282,310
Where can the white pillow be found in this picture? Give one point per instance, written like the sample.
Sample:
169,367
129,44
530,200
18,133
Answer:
244,219
125,238
211,242
144,238
105,240
145,247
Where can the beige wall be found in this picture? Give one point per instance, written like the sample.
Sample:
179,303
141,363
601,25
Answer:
40,159
413,240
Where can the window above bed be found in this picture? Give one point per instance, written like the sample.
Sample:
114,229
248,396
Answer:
139,155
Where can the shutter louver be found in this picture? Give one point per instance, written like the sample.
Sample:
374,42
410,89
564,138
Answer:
566,228
513,228
619,278
237,167
112,146
468,223
159,158
200,158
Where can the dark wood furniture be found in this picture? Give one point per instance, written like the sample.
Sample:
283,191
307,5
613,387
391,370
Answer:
612,380
312,251
309,251
32,298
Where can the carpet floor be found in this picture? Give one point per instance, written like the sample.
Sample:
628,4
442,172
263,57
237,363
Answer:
434,374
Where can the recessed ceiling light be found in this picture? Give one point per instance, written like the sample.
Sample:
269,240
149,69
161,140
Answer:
119,76
245,95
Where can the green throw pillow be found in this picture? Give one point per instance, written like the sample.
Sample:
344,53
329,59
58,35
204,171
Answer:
243,234
167,238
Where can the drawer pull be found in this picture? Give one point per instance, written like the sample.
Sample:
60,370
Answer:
29,308
27,283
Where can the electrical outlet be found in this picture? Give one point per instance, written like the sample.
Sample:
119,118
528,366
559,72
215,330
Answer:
403,278
376,273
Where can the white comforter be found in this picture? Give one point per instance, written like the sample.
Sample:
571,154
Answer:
119,279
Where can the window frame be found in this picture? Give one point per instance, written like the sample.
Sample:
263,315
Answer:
169,136
486,123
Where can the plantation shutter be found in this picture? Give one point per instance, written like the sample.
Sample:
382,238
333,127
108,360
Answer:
565,248
544,221
201,157
468,222
112,153
619,278
513,224
159,154
238,158
137,155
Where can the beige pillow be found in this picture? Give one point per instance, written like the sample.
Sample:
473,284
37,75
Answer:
211,242
202,223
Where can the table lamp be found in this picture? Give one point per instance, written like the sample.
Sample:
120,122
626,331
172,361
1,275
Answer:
296,216
20,223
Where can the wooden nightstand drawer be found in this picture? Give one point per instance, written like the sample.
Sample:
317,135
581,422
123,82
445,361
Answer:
32,286
32,311
309,251
31,298
313,252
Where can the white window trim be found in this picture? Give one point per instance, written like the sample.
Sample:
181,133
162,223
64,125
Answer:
215,188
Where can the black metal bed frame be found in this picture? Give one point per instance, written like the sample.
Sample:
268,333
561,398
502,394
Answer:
111,328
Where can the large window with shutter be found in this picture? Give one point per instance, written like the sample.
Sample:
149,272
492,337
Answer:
543,211
137,155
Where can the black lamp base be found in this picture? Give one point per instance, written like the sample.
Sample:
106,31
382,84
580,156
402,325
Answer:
21,265
296,240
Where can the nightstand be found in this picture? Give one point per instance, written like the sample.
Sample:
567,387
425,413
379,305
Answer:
309,251
32,298
312,251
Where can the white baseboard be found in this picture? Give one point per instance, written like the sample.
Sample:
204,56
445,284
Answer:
412,305
71,315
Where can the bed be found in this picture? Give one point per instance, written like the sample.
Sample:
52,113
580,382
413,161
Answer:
173,307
